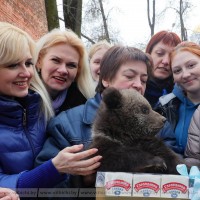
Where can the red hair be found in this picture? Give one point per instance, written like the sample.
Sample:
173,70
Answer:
167,37
186,46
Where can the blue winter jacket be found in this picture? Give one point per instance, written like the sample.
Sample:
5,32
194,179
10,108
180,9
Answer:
178,110
69,128
22,135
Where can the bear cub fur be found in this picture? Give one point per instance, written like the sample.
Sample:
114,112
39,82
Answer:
124,133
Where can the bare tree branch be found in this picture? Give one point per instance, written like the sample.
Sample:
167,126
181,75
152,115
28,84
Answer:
89,39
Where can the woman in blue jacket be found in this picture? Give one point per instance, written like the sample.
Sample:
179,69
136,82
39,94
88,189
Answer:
121,67
25,108
179,106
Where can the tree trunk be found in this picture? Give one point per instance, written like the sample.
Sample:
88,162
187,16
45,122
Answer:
151,23
183,29
72,10
52,14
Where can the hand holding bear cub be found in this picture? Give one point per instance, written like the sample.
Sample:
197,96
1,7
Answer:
124,133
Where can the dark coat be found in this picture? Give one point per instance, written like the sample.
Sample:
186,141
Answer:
155,89
74,98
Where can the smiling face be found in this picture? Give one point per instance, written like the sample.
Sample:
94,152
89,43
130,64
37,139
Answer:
59,68
95,63
132,74
161,60
186,71
15,78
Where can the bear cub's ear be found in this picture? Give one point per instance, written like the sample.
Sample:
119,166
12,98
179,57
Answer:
112,98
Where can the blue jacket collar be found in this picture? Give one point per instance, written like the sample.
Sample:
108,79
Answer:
179,92
90,109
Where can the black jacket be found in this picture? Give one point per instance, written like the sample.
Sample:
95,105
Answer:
74,98
155,89
169,110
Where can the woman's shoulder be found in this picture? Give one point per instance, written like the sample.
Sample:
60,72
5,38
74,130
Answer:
195,120
166,99
69,113
79,113
167,103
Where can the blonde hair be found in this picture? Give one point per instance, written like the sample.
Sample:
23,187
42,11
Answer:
13,47
67,36
99,45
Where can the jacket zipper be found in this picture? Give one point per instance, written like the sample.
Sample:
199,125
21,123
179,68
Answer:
26,132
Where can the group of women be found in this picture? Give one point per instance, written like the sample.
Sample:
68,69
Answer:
43,147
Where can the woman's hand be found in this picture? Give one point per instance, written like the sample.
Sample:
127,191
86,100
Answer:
71,161
8,194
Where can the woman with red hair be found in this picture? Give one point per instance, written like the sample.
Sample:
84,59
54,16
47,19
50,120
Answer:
179,106
160,81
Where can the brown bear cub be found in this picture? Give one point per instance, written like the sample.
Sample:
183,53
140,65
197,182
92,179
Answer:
124,133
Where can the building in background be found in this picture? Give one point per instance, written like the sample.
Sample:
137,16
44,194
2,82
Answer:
26,14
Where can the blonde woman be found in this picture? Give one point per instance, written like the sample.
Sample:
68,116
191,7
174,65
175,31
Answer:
63,66
121,68
25,108
96,54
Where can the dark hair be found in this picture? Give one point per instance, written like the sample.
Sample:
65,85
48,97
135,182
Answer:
167,37
117,56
